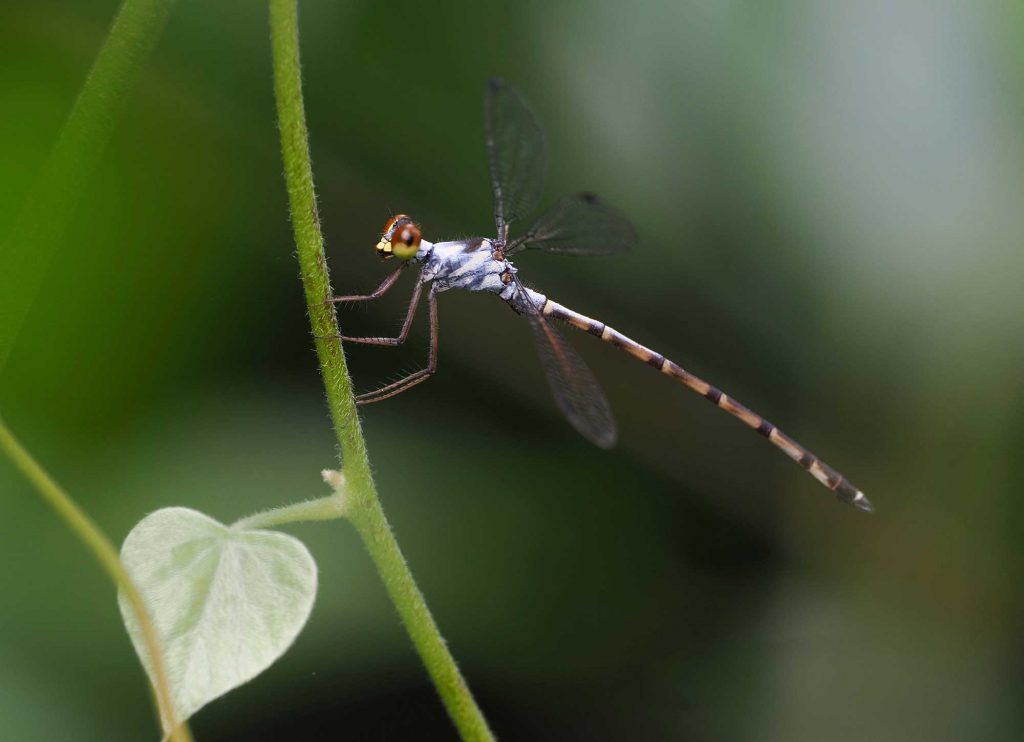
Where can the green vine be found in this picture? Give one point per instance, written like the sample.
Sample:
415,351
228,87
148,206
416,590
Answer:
33,240
362,505
97,542
29,249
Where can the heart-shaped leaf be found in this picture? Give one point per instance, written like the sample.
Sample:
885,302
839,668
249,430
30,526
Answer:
225,602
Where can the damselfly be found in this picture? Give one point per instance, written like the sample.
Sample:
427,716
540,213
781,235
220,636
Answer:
580,224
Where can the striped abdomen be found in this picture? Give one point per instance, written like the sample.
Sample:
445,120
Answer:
811,463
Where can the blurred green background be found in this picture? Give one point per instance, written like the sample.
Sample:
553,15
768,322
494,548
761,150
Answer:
828,197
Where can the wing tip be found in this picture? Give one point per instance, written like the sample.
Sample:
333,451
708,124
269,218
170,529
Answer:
603,439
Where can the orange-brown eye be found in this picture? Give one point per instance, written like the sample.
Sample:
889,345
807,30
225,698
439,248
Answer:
407,234
389,225
405,242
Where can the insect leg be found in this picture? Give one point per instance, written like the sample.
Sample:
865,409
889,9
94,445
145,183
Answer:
406,325
416,377
376,294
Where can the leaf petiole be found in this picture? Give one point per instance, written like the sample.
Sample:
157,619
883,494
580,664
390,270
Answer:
323,508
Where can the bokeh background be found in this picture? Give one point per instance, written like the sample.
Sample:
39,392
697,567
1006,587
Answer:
828,196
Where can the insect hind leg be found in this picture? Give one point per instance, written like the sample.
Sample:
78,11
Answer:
417,377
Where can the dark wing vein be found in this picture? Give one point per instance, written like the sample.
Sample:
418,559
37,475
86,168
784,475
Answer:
580,224
515,153
574,387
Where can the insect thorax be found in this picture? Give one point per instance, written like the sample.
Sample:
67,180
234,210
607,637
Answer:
470,265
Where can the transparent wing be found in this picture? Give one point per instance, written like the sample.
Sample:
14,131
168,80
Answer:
575,389
515,152
581,224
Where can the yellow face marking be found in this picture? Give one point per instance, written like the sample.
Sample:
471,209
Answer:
400,239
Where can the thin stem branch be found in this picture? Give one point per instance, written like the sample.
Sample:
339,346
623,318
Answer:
105,553
364,509
31,244
33,240
323,508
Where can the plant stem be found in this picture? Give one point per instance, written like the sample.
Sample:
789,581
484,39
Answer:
33,240
105,553
364,509
323,508
31,244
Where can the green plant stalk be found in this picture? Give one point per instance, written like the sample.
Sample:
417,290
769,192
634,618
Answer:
105,553
364,509
29,248
323,508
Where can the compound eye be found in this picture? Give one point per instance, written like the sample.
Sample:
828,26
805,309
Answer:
390,223
409,235
405,242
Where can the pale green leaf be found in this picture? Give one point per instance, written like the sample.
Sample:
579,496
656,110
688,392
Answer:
226,602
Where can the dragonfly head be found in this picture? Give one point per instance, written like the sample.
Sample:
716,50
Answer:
401,238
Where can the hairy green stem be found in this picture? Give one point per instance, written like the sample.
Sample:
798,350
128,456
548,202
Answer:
95,540
323,508
364,509
29,248
33,240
